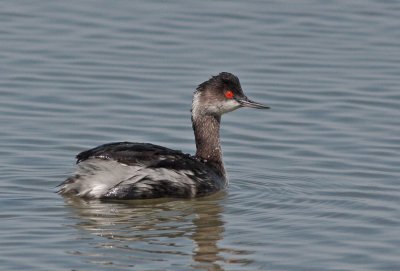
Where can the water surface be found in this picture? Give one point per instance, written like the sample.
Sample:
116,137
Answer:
315,181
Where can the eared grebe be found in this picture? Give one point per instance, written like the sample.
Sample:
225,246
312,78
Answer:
126,170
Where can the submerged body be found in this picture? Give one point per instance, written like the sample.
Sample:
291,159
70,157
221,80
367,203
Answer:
126,170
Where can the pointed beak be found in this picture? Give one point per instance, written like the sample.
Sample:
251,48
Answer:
245,102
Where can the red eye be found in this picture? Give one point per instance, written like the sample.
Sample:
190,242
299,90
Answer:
229,94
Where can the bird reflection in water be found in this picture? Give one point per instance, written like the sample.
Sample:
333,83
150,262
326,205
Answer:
151,233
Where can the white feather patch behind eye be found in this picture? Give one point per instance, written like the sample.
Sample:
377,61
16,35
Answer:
196,104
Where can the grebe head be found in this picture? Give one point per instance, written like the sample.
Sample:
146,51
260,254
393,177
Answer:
221,94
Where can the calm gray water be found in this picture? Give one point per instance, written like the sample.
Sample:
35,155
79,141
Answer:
315,181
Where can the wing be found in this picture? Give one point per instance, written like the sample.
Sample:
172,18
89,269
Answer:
130,153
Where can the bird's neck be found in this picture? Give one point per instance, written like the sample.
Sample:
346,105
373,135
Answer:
208,147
